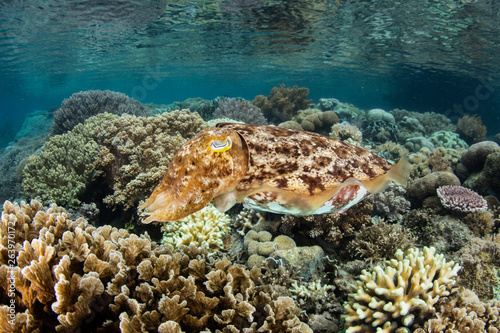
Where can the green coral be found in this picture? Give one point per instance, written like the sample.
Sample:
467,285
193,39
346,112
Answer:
63,169
447,139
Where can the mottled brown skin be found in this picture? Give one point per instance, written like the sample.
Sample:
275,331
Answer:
269,168
303,161
196,175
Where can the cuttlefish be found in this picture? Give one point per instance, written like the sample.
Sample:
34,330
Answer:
268,168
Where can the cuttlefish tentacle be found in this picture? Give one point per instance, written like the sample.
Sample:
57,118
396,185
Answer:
209,165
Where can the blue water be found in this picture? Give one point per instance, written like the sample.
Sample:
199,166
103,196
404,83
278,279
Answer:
418,55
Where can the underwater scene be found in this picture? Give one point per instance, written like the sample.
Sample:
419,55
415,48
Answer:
250,166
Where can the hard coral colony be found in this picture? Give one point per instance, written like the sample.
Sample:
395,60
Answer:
398,261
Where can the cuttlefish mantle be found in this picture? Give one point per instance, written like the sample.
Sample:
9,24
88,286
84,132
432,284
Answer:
268,168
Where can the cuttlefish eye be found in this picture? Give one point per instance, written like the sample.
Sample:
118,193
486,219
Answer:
221,145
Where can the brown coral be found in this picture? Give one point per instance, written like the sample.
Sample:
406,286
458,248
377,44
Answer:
71,275
135,152
471,128
283,103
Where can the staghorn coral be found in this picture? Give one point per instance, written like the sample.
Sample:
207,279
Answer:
63,169
239,109
283,103
471,128
85,104
381,240
135,152
464,313
207,227
71,275
391,299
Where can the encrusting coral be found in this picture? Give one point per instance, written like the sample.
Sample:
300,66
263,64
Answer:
72,276
205,228
391,299
85,104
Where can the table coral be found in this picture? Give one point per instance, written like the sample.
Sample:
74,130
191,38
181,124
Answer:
72,276
389,300
206,227
461,199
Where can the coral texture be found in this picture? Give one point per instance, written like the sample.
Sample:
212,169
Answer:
471,128
312,120
72,276
205,228
447,139
461,199
346,132
85,104
390,299
283,103
391,203
239,109
63,169
135,152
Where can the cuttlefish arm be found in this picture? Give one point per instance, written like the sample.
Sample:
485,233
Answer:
208,166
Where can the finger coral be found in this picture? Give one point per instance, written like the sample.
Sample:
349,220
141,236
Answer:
71,276
85,104
390,299
206,227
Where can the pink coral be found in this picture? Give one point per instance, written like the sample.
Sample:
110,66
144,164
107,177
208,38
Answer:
461,199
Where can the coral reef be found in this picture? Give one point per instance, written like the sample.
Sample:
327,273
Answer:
417,143
392,299
391,151
312,120
447,139
471,128
346,132
239,109
205,228
327,104
463,313
380,115
461,199
409,127
381,240
380,131
63,169
438,159
475,157
72,276
486,181
426,186
391,203
135,152
431,121
283,103
480,259
205,108
85,104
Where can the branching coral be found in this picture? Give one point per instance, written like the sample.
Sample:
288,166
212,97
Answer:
391,203
283,103
135,152
85,104
239,109
390,299
71,275
464,313
206,227
381,240
345,131
63,169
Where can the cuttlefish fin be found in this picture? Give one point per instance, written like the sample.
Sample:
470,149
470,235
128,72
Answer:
224,202
399,173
